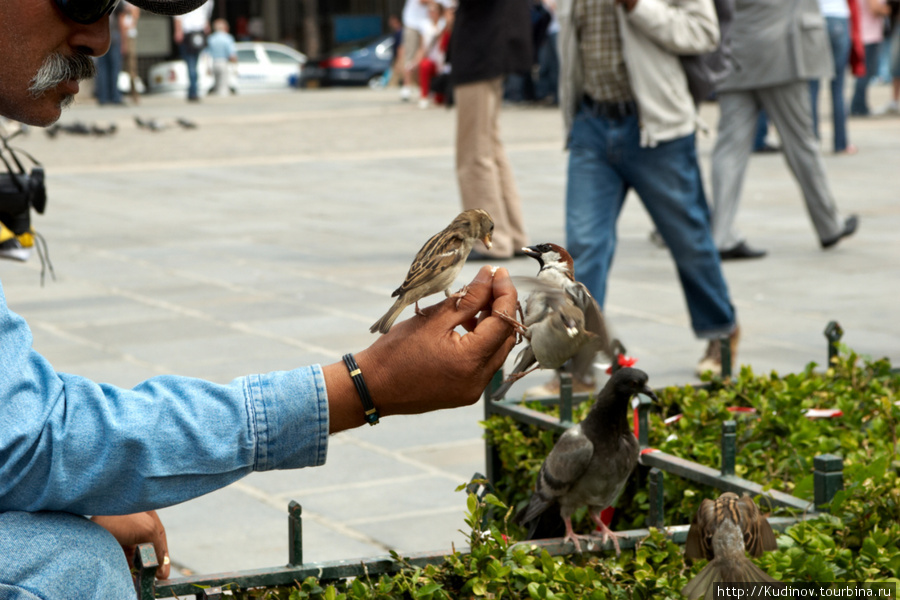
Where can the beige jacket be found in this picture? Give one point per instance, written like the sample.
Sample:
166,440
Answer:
654,33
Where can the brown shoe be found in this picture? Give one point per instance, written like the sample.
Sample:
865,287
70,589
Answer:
712,359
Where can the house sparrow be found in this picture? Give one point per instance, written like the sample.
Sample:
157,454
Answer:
438,263
561,321
592,460
721,531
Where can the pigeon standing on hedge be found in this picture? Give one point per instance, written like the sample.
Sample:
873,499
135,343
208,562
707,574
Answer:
721,531
592,460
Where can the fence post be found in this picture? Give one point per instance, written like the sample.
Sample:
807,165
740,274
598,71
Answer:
565,397
145,564
491,456
295,534
828,477
643,419
833,333
657,498
729,447
725,353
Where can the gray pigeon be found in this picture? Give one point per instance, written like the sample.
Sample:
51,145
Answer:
592,460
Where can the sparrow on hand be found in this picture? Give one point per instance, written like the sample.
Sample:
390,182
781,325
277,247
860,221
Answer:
561,320
592,460
721,531
438,263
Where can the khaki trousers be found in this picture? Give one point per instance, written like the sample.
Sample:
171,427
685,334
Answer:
485,177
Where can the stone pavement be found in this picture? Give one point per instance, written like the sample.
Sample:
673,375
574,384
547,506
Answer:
272,235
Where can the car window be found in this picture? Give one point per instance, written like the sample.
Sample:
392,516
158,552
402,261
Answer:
276,56
247,55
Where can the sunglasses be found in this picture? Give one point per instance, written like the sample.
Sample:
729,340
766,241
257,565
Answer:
86,12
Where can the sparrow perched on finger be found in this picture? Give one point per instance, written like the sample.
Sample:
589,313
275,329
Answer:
591,461
562,320
438,263
722,530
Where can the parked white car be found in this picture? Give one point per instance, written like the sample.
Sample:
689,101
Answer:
260,66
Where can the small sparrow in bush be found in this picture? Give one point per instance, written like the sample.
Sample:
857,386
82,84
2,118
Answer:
721,531
561,321
592,460
438,263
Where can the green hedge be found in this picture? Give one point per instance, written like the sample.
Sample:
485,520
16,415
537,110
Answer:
858,541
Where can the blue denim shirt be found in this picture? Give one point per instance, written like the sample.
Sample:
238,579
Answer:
70,444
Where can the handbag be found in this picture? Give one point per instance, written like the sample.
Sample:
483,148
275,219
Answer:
194,42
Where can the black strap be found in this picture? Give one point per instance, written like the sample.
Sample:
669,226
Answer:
362,389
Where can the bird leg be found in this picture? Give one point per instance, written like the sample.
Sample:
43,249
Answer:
517,376
518,327
606,531
458,295
419,310
573,537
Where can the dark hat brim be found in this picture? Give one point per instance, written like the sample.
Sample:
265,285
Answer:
168,7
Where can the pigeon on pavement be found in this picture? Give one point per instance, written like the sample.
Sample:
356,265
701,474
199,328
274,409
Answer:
592,460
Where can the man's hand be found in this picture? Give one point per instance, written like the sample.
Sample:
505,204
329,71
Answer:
628,4
423,364
139,528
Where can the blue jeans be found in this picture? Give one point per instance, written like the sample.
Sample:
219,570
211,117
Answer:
106,82
859,105
60,555
605,161
762,130
191,59
839,35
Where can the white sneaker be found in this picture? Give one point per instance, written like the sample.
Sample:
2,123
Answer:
423,103
891,108
405,93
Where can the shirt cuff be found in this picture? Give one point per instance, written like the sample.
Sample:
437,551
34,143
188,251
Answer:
289,412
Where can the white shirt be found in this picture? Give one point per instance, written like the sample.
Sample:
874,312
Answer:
197,19
834,8
415,14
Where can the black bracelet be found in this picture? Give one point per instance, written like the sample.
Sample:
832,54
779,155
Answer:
362,389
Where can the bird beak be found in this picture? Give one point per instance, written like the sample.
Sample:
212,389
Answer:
531,252
487,241
648,392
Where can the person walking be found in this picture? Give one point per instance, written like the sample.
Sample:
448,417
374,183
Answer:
223,52
191,30
490,40
837,24
630,123
775,48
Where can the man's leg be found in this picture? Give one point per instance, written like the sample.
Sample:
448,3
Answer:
595,193
737,123
59,555
667,179
512,235
476,166
788,109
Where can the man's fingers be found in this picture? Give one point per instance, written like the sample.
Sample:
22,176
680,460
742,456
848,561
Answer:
161,545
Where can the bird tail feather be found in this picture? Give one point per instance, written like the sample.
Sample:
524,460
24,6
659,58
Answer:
704,584
383,325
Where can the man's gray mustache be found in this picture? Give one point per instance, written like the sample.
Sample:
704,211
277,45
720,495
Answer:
58,68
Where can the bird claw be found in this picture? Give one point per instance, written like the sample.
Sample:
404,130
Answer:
460,295
518,327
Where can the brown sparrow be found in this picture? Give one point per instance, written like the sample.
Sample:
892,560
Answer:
721,531
561,321
438,263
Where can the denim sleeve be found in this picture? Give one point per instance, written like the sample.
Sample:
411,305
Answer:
70,444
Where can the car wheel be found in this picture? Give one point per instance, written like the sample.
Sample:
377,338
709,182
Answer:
376,82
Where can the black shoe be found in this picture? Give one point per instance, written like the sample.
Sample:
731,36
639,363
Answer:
767,148
741,251
850,225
